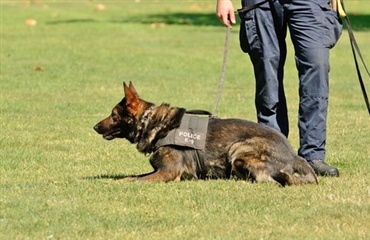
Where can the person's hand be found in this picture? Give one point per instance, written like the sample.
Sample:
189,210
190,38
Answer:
225,12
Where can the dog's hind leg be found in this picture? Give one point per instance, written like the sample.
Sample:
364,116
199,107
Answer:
249,163
283,178
258,160
295,172
303,172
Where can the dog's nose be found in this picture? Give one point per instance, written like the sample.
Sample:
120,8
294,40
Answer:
96,127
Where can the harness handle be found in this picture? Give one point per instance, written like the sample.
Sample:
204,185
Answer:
198,112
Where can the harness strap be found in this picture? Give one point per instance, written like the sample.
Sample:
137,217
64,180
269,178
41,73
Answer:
200,164
199,112
252,4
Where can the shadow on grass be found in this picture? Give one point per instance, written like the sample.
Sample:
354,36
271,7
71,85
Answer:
359,22
116,176
108,177
194,19
68,21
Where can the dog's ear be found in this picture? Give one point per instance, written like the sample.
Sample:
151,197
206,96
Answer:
132,98
131,87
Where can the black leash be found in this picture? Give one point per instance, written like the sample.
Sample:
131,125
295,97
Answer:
253,5
355,49
222,77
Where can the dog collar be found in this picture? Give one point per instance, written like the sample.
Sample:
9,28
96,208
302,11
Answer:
145,117
142,122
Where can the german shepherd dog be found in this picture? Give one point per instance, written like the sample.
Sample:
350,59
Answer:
234,148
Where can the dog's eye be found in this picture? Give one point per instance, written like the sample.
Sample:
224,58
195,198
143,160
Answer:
114,118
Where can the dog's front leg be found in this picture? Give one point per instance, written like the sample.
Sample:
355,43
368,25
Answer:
167,164
155,176
159,176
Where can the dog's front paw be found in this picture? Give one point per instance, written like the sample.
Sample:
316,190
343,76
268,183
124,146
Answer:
127,179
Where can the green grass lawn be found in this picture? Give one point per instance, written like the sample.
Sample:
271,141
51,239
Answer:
64,74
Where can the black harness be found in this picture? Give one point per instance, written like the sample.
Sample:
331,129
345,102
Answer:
191,134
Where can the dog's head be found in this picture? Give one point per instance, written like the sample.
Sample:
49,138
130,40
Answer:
123,121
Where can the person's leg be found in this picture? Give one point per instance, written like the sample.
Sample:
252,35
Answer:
265,42
313,35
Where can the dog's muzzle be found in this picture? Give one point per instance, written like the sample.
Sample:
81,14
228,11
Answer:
97,129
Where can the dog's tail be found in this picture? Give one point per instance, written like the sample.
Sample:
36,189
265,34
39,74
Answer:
302,174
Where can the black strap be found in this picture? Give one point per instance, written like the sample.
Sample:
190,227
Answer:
200,164
252,5
355,49
198,112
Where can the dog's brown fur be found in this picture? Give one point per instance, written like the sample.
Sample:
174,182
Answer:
234,147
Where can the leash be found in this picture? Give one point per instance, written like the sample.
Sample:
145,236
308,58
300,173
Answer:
253,5
355,49
222,77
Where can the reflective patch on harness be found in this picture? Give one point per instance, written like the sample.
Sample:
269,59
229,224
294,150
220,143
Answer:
190,138
192,133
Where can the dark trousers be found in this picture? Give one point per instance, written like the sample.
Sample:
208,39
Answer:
314,29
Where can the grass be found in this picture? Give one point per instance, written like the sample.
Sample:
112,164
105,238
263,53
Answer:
56,173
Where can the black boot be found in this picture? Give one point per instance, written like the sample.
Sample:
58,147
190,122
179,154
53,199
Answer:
323,169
